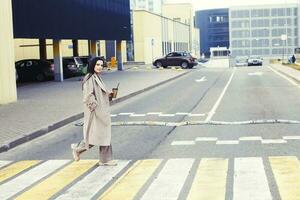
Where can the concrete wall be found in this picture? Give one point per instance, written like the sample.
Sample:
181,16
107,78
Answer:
8,92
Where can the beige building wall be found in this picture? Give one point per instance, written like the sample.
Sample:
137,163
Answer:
29,48
184,13
8,90
147,31
163,32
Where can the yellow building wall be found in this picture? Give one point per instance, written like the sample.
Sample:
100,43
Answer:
8,90
29,49
147,28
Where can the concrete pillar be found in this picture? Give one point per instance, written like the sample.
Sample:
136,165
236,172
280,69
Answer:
119,55
8,89
43,50
75,48
92,48
58,66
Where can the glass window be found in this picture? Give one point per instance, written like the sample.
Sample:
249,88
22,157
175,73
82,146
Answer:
260,23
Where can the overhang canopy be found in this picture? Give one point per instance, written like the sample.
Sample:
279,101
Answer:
72,19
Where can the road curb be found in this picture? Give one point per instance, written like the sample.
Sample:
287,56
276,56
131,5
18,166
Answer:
40,132
285,74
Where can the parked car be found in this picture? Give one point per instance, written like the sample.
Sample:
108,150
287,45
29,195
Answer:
72,66
253,60
178,58
34,70
241,61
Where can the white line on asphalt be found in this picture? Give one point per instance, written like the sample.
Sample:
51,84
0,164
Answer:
201,80
113,115
196,115
291,137
23,181
213,110
167,115
94,181
182,113
154,113
273,141
170,180
250,181
185,142
221,142
138,115
252,138
126,113
4,163
206,139
284,76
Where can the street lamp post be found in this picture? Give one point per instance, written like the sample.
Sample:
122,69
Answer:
283,38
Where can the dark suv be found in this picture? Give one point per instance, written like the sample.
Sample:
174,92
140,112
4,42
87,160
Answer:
179,58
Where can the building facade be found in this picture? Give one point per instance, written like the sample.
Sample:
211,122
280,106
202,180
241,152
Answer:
267,31
154,6
214,29
156,35
184,13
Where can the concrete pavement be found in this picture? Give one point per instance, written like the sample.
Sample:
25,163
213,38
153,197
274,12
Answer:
44,107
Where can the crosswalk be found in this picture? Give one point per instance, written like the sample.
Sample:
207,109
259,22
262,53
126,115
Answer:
153,179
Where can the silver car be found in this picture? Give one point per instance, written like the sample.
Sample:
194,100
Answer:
255,61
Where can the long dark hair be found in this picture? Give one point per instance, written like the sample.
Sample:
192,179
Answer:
91,68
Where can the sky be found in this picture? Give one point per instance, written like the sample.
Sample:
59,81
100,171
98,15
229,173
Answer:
209,4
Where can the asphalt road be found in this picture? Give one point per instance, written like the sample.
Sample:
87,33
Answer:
232,95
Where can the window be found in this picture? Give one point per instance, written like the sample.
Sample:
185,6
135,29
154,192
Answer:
240,23
240,14
240,34
260,33
260,13
260,23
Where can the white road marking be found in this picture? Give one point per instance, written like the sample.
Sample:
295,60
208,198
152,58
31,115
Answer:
4,163
221,142
99,178
154,113
183,142
201,80
167,115
273,141
113,115
170,180
182,113
250,181
283,76
251,138
291,137
23,181
206,139
126,113
213,110
196,115
255,74
138,115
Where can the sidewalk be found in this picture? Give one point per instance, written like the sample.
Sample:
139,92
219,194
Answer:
288,71
43,107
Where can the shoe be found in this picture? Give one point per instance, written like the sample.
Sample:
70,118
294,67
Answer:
109,163
75,153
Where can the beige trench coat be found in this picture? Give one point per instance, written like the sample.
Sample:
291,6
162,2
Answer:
95,92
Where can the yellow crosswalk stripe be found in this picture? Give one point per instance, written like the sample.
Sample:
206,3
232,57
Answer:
16,168
132,181
210,180
287,174
58,181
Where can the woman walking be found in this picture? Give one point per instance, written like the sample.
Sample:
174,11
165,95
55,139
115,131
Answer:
97,121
